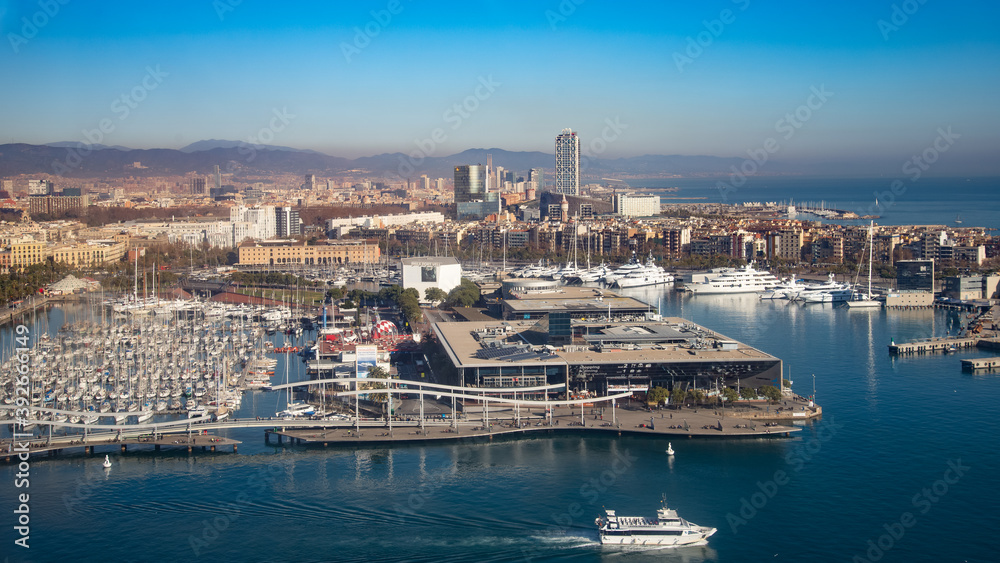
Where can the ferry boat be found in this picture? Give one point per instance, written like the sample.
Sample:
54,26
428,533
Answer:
732,280
667,529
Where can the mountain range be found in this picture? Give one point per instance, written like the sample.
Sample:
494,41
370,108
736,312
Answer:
73,159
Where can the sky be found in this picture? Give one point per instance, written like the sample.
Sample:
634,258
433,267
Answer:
851,82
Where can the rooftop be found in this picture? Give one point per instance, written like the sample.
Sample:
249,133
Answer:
670,340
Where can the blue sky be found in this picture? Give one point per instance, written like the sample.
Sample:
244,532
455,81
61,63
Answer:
223,73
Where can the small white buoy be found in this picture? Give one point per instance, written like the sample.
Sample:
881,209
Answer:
107,462
670,449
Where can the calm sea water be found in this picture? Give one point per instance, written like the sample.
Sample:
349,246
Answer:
927,201
891,428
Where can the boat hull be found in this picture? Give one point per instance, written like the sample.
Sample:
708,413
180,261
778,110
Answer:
657,540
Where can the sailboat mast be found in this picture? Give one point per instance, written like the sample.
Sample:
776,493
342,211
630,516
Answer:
871,253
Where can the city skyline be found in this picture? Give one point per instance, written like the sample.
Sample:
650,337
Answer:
862,85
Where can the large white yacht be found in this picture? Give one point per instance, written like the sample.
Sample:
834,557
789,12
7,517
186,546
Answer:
648,274
786,289
625,269
667,529
732,280
829,291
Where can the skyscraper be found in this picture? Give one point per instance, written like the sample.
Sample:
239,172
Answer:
473,200
198,186
287,221
537,176
470,183
568,163
310,181
218,178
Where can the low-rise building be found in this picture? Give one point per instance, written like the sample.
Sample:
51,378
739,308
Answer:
970,287
290,252
88,254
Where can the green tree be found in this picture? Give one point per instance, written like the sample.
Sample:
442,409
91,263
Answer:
697,396
730,394
677,396
657,395
465,295
748,393
435,294
771,392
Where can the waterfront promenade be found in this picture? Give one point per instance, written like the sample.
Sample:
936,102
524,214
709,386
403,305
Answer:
744,421
687,422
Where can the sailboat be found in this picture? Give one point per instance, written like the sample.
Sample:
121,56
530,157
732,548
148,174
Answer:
865,301
958,219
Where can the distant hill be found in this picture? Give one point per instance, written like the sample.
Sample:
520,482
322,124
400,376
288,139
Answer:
210,144
239,158
78,144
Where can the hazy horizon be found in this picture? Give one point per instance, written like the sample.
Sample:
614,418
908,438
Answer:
864,86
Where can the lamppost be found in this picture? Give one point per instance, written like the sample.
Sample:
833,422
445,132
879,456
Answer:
814,389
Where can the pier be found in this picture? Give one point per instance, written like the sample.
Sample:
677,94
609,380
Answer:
56,445
666,423
501,416
981,364
932,345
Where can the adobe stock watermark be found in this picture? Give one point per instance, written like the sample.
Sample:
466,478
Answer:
899,16
752,505
279,120
428,488
364,35
456,115
613,128
122,108
787,127
695,46
230,512
223,7
563,11
31,26
85,488
590,493
914,168
922,502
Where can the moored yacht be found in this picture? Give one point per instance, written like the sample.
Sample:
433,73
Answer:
731,280
784,290
297,409
647,274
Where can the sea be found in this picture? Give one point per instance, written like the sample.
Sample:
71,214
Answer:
896,200
901,467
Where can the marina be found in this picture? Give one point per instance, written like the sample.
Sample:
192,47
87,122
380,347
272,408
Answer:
325,471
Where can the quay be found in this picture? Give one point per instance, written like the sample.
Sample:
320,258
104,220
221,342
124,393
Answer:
981,364
56,446
933,345
574,416
711,422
